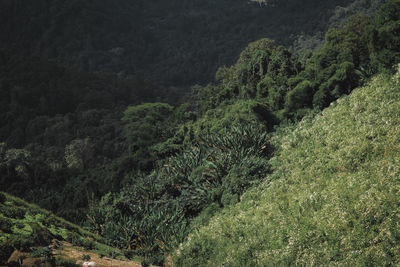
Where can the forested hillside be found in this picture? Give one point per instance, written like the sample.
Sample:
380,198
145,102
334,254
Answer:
92,129
331,198
174,43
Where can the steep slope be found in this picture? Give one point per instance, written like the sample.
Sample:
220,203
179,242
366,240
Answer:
332,199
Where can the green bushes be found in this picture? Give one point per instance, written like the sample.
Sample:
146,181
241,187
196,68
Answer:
330,199
2,198
37,228
5,251
384,37
151,215
13,211
42,252
181,167
85,243
249,172
347,58
5,224
45,254
23,243
261,71
299,97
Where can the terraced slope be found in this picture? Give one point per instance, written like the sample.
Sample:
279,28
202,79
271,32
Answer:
27,228
332,200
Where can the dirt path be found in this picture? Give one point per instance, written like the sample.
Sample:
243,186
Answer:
76,253
62,249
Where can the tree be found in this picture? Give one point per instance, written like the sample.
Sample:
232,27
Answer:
78,153
145,124
16,160
299,97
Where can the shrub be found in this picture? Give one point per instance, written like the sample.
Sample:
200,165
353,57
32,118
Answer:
73,238
6,249
86,257
204,217
129,253
332,199
6,225
299,97
2,198
44,253
23,243
85,243
14,212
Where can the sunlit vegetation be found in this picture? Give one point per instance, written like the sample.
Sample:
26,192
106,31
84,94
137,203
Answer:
279,161
331,197
28,228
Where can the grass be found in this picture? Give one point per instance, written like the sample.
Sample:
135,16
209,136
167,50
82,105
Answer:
332,199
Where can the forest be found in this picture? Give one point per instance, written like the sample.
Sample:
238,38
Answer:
162,128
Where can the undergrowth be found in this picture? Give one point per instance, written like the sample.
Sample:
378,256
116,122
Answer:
331,200
26,227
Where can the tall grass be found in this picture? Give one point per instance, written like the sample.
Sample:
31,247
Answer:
333,198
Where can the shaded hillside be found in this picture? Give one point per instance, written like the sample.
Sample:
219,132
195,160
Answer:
168,42
33,87
332,197
146,175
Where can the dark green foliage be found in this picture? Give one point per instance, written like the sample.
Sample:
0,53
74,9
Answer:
262,68
36,230
241,176
5,251
13,211
205,215
130,224
171,42
23,243
200,176
86,257
6,224
42,252
331,200
299,97
331,71
78,240
129,253
146,263
36,88
346,59
384,36
67,128
145,175
152,214
229,113
84,242
40,235
145,125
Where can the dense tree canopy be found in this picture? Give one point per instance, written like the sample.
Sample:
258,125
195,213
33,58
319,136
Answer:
140,164
174,43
